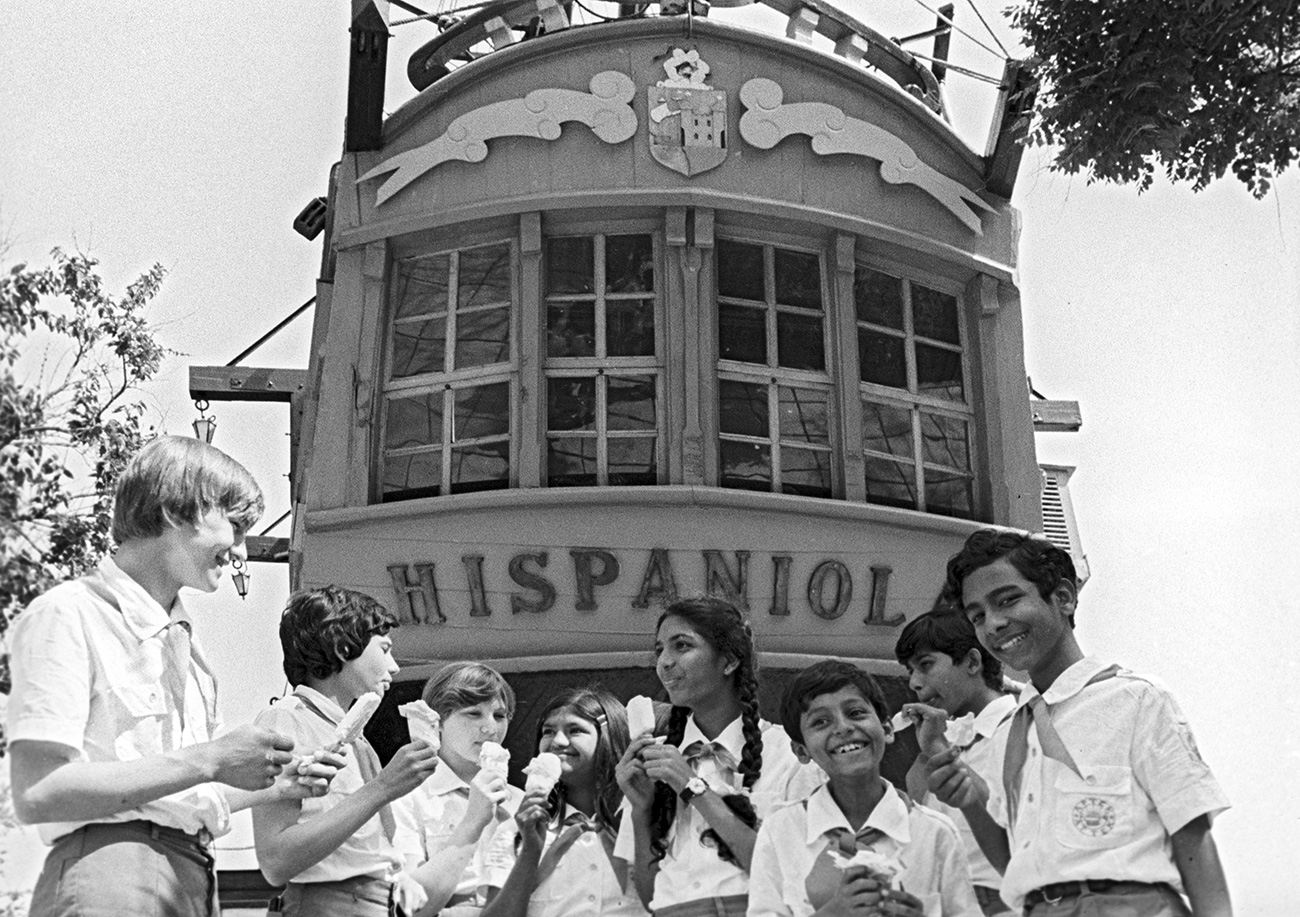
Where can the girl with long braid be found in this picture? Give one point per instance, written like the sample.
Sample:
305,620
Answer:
695,796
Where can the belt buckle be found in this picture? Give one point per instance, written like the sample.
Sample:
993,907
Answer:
205,837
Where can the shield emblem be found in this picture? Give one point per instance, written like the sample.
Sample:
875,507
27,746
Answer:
688,117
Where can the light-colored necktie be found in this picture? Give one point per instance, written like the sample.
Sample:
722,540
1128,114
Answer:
575,825
698,752
1013,764
368,762
176,676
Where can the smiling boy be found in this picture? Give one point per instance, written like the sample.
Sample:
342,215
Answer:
113,709
836,716
1103,803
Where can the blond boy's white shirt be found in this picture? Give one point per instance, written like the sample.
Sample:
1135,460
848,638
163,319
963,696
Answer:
924,841
368,851
691,869
1142,779
427,816
583,883
978,755
88,661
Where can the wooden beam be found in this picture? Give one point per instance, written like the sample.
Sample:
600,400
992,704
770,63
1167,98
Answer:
245,383
1011,116
1056,416
266,549
367,65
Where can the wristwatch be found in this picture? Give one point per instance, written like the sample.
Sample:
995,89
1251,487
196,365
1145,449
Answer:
694,787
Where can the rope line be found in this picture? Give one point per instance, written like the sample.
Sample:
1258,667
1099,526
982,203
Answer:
959,29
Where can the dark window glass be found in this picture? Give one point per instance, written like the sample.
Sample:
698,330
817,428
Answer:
802,415
408,477
483,410
629,264
747,466
419,347
482,466
630,328
631,404
890,483
886,429
415,421
799,341
944,442
482,337
484,276
742,408
571,461
740,270
422,286
805,472
882,359
934,315
571,404
742,333
938,372
947,494
632,461
878,298
798,279
570,329
570,265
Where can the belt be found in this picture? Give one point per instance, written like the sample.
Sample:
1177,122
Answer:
718,906
1059,891
201,840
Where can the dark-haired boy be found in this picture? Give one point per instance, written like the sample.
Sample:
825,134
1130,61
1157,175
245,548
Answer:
1103,801
959,686
113,711
336,853
836,715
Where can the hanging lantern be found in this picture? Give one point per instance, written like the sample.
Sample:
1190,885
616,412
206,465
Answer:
240,577
205,427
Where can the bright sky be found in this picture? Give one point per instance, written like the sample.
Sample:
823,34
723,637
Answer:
192,134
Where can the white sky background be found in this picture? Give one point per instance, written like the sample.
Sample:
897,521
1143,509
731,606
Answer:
192,134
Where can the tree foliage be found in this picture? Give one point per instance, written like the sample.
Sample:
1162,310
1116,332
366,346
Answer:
72,359
1197,87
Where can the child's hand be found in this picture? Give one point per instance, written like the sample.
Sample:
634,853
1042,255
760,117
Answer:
667,765
953,782
409,895
532,818
486,791
303,778
897,903
858,894
931,723
412,764
638,789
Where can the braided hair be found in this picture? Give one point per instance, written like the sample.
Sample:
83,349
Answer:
722,626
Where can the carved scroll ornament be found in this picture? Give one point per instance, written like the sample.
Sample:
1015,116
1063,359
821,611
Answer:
606,110
767,122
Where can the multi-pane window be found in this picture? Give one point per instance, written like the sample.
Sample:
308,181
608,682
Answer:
447,402
604,371
774,393
916,414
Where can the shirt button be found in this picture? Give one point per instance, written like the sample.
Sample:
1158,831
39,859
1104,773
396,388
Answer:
1091,780
1031,797
594,867
1033,752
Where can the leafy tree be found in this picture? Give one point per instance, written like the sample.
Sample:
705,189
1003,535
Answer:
72,359
1194,86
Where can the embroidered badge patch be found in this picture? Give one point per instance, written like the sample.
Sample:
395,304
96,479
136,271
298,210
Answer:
1094,817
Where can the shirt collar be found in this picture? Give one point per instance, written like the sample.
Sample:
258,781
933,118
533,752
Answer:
889,816
994,712
326,705
732,738
143,615
1067,684
444,781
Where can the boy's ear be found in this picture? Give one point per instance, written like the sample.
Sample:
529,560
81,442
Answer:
887,724
1066,598
974,661
800,752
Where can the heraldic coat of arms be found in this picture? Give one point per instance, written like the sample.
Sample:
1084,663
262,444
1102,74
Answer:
688,118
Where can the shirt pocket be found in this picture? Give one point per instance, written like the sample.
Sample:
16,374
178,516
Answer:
1094,811
140,710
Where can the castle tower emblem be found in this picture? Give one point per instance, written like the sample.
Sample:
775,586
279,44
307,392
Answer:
688,117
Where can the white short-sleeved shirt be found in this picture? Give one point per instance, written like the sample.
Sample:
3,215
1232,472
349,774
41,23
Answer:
428,815
691,868
1143,779
88,661
978,755
925,842
368,852
583,883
